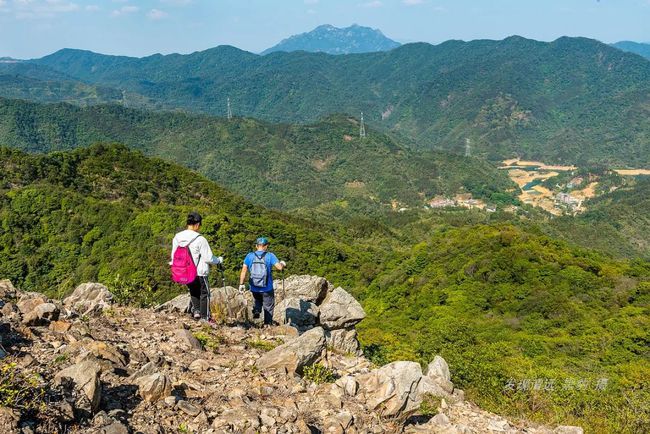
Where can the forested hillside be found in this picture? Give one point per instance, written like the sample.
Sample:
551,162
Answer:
108,214
529,324
500,302
281,166
572,100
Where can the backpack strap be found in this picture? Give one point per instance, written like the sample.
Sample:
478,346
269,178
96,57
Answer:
196,264
260,257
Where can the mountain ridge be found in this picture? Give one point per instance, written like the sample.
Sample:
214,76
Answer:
333,40
572,100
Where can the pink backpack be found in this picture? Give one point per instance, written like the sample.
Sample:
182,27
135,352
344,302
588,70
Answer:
183,266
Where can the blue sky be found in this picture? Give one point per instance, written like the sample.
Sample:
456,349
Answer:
32,28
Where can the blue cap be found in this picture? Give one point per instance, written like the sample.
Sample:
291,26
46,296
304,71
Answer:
262,241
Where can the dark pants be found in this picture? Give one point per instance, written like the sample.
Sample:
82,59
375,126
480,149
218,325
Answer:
199,293
264,300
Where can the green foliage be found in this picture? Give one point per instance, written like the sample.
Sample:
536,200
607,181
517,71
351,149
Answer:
262,344
499,302
19,389
209,339
279,166
571,100
107,214
318,374
429,406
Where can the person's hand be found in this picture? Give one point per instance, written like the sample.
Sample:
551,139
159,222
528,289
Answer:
242,288
218,260
284,264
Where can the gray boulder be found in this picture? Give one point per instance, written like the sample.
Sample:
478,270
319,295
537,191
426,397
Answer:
29,301
438,368
344,341
154,387
227,304
309,288
340,310
85,376
7,289
296,312
89,298
41,314
392,389
187,340
293,356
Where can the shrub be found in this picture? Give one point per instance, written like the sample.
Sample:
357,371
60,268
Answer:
318,374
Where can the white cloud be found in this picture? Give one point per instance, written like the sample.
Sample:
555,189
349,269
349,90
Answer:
125,10
372,4
92,8
413,2
156,14
311,2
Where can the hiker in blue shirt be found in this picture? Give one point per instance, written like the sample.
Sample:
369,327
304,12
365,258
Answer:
259,265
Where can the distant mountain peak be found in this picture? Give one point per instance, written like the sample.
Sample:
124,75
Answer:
329,39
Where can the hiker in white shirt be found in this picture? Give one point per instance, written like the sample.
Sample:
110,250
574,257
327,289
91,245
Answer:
203,258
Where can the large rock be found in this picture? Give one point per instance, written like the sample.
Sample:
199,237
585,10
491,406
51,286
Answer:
340,310
296,312
308,288
85,376
29,301
296,354
344,341
89,298
154,387
438,368
43,313
392,389
187,340
227,305
7,289
437,379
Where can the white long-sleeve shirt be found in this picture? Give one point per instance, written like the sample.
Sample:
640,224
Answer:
200,249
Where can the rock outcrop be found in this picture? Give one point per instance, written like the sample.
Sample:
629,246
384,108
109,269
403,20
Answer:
140,370
89,298
293,356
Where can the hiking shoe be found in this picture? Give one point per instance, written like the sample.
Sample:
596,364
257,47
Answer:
256,315
197,315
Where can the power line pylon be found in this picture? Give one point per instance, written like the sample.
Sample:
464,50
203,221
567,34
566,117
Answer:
229,114
362,128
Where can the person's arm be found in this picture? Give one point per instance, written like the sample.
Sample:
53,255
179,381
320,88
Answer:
205,251
174,247
278,265
242,275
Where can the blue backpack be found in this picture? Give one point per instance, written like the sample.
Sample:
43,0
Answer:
259,271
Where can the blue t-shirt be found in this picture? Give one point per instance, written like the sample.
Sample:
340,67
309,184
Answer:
270,259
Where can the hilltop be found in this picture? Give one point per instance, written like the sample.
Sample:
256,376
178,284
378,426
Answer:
333,40
102,367
573,100
276,165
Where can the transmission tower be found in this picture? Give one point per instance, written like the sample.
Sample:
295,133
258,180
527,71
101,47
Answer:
229,115
362,128
468,148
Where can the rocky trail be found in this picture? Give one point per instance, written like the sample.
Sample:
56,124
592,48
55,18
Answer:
85,364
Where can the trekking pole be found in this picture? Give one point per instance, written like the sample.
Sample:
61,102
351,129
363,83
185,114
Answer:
284,295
